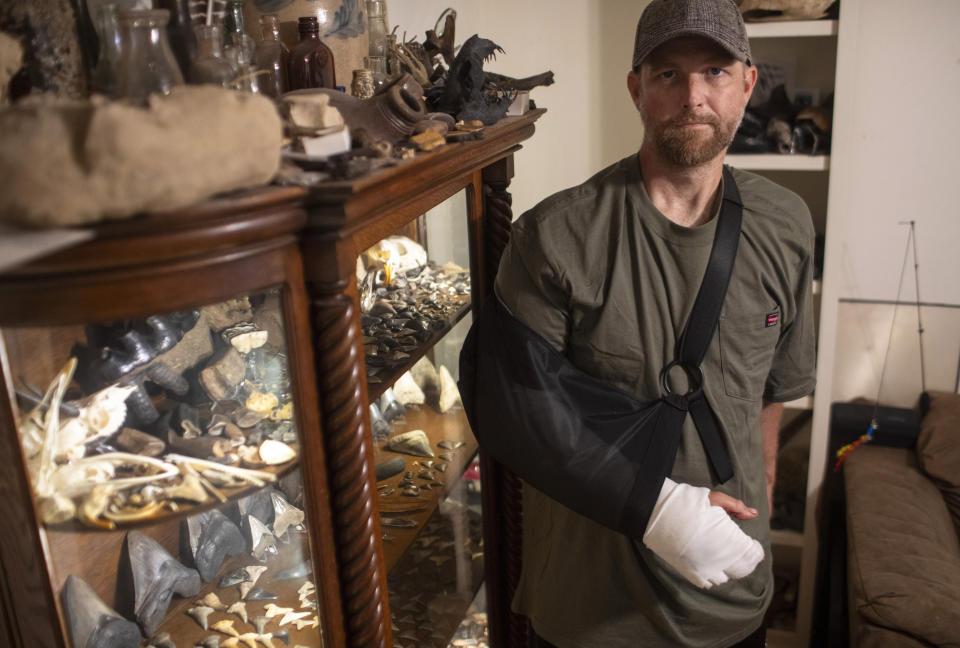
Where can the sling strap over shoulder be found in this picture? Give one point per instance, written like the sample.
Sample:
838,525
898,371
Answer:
592,447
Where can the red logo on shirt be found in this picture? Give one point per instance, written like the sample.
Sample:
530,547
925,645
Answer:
772,319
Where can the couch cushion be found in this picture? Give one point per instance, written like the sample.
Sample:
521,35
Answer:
903,552
938,448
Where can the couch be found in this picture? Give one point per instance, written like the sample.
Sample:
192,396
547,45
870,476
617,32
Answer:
903,536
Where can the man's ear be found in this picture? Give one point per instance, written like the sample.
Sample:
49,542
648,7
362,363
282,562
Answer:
633,85
750,76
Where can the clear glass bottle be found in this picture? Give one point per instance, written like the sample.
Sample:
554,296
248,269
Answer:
183,40
147,64
210,65
311,61
104,76
238,47
377,27
272,56
394,69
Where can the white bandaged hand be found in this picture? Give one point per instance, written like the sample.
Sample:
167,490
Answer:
699,540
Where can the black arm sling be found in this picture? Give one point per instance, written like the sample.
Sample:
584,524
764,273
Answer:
592,447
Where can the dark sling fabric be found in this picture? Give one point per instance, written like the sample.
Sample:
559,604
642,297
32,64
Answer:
592,447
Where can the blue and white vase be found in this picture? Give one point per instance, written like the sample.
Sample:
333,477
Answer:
343,27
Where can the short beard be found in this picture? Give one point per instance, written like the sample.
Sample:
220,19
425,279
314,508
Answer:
686,149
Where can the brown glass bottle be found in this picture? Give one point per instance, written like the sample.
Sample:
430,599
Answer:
311,62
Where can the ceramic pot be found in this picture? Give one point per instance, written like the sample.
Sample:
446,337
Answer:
342,28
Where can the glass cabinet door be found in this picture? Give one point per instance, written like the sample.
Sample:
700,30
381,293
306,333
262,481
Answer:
415,303
163,454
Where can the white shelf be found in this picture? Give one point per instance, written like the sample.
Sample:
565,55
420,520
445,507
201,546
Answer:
778,162
790,28
786,538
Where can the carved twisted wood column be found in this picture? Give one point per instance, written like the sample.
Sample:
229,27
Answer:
507,489
349,455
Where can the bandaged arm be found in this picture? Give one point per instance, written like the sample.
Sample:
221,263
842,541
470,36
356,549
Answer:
700,541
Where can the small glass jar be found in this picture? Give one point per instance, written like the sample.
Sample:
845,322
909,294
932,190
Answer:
362,85
147,65
271,57
104,76
378,68
210,66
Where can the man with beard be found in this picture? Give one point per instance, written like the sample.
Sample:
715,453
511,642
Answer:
606,273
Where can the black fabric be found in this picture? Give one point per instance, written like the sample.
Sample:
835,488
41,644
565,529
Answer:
594,448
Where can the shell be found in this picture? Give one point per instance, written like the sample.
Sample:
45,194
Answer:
276,452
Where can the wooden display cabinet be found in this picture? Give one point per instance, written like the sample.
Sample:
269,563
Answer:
294,250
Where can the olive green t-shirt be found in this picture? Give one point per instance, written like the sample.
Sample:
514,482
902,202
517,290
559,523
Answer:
609,281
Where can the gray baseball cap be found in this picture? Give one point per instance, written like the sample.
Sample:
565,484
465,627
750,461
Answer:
718,20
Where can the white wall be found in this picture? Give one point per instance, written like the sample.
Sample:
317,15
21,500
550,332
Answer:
591,121
895,150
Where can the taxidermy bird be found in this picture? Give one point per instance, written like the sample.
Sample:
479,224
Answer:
462,93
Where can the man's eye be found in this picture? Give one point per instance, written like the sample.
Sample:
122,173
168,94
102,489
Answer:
667,74
715,71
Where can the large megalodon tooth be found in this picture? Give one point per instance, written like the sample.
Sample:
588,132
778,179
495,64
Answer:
390,407
157,576
262,542
414,442
91,623
213,537
258,504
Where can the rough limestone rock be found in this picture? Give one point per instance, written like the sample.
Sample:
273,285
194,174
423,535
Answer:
11,58
68,163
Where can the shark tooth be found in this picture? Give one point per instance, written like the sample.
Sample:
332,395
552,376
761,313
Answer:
226,627
273,610
292,616
213,537
285,514
257,594
255,571
212,600
213,641
260,622
266,640
390,407
201,614
157,576
307,623
161,640
249,638
407,391
91,622
240,609
245,589
414,442
263,542
306,589
449,394
282,634
449,444
231,642
234,577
